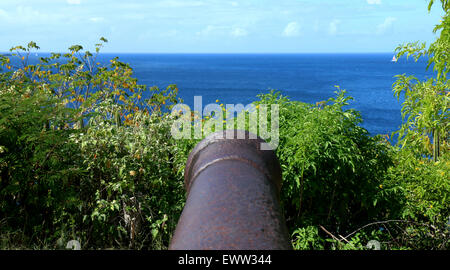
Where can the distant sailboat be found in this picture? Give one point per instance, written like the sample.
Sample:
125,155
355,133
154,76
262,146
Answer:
394,59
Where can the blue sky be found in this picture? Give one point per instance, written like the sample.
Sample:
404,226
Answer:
218,26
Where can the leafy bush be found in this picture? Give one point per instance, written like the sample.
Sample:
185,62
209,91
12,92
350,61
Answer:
84,156
35,159
412,204
420,188
331,167
307,238
354,187
419,177
131,192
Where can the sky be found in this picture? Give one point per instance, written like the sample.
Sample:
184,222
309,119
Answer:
218,26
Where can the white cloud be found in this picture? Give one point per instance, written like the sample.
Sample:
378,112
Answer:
374,2
96,19
73,2
238,32
333,27
386,25
292,30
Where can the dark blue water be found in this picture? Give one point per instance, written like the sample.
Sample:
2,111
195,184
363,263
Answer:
309,78
304,77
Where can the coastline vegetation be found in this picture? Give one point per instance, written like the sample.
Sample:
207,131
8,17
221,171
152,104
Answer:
85,156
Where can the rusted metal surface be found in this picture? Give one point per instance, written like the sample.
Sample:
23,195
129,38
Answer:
232,197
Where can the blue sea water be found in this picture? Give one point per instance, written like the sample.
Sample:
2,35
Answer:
239,78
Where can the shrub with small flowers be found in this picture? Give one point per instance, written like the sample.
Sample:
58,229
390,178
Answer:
84,156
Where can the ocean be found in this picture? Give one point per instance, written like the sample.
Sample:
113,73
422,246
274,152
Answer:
239,78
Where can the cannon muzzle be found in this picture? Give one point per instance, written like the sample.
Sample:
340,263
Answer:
232,197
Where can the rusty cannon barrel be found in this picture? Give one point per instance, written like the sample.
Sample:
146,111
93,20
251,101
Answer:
232,197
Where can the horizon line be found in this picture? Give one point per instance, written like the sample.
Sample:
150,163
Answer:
203,53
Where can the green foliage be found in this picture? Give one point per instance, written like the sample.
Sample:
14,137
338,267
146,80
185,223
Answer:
425,114
307,238
331,167
421,188
425,109
35,159
418,181
83,155
131,193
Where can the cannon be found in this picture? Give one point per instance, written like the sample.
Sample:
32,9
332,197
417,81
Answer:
232,197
